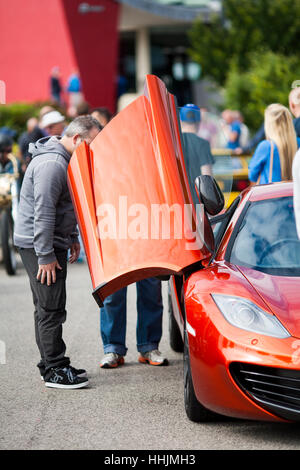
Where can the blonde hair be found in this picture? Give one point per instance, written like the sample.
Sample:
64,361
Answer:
279,127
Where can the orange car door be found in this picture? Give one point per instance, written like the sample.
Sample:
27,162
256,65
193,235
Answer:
131,196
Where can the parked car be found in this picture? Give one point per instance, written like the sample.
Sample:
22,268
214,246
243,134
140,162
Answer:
234,274
237,318
231,173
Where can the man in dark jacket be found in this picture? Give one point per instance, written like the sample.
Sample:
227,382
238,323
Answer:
32,134
197,153
44,231
55,85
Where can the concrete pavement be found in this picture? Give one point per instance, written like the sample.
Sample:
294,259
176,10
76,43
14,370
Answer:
133,407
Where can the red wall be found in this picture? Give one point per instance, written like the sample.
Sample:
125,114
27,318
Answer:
36,35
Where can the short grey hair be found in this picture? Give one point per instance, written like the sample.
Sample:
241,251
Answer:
82,125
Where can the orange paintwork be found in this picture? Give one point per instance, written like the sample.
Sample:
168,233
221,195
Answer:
269,191
138,156
279,293
216,343
82,192
133,164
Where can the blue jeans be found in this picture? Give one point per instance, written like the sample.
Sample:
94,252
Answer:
149,318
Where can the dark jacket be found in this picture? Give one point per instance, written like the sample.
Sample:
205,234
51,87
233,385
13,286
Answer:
46,218
297,126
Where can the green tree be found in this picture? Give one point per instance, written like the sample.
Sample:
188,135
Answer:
268,80
15,115
244,27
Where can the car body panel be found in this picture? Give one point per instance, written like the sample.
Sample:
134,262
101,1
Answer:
176,303
274,190
82,193
133,167
214,344
138,157
279,294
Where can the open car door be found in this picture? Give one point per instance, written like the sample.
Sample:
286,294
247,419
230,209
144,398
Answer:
131,196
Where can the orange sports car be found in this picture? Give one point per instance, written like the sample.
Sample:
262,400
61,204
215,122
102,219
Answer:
237,318
234,274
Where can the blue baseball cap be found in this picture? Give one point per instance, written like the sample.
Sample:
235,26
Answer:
8,131
190,113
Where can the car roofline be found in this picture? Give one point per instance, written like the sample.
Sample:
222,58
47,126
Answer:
269,191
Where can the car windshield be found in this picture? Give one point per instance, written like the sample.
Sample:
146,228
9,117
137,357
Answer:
267,238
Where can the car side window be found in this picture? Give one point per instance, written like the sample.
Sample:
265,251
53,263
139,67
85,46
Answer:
267,239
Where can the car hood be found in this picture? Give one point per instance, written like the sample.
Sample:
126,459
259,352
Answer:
280,293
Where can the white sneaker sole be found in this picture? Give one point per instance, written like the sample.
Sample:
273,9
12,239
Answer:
68,387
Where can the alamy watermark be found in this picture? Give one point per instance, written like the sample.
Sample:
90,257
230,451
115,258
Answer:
2,352
155,222
2,92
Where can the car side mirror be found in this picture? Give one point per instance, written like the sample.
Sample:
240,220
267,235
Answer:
209,194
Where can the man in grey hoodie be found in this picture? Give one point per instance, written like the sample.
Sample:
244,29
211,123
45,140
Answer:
45,229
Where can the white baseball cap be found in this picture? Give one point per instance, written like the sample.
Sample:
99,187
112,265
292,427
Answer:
53,117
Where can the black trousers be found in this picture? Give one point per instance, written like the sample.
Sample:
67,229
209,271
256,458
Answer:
50,312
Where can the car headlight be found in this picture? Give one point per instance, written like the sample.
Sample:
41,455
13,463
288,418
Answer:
248,316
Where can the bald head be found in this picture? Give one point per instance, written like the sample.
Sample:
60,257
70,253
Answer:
228,116
31,124
294,101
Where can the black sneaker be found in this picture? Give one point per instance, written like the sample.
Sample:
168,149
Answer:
78,372
65,378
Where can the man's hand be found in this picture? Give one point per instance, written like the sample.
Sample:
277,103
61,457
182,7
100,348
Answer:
48,271
75,252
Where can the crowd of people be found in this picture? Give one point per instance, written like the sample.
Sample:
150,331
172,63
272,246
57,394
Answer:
51,122
72,90
275,144
46,229
273,147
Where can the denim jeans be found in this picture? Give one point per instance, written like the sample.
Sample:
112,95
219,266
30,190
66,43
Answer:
149,318
50,312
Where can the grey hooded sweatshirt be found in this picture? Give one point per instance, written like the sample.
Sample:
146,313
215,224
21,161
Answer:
46,218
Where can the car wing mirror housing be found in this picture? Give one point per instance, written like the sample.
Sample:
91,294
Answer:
209,194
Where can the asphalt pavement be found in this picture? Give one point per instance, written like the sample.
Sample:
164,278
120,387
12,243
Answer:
136,407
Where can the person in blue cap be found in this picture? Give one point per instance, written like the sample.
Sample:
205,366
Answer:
197,152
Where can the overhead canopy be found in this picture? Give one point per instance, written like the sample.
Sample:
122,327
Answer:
184,10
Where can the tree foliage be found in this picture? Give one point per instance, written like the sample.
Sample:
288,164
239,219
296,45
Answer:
244,27
268,79
15,115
